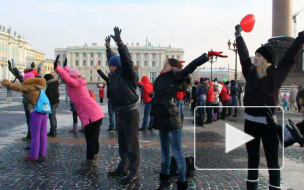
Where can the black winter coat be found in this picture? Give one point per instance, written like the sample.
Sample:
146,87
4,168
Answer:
52,91
264,91
166,114
123,82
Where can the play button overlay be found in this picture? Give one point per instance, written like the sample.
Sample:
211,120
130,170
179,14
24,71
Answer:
221,145
235,138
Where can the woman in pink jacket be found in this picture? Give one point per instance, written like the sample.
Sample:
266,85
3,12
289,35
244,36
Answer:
89,112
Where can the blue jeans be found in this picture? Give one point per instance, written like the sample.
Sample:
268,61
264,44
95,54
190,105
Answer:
147,116
179,105
111,112
173,138
201,112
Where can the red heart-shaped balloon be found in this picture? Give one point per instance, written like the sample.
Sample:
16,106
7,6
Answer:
247,23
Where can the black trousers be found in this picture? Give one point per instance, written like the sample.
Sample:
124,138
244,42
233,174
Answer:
209,112
91,132
75,117
271,147
28,117
224,111
101,99
128,141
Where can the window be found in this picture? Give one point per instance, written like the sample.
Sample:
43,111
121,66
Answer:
92,63
137,63
138,55
146,55
153,64
91,78
178,57
99,54
153,76
154,55
99,62
76,54
84,55
172,56
92,54
146,63
91,72
76,62
84,63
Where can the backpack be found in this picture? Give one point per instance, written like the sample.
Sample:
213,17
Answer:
43,104
92,94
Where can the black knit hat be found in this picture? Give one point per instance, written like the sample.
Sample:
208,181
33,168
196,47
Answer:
48,77
267,52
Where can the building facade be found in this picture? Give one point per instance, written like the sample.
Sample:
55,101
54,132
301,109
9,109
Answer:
150,59
15,47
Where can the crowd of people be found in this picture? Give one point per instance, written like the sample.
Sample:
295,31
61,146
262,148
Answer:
163,108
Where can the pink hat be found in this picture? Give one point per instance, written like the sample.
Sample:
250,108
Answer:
74,72
28,75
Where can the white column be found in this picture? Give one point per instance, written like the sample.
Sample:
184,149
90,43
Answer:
150,60
141,62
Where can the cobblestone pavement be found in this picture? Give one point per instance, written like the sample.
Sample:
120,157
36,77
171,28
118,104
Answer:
67,151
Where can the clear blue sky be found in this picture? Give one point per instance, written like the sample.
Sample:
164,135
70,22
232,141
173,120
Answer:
195,25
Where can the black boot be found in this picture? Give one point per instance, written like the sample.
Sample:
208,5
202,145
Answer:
164,181
182,185
52,133
182,116
252,185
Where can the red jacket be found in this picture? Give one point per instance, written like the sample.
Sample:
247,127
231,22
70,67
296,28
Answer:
101,90
225,93
210,95
147,89
179,95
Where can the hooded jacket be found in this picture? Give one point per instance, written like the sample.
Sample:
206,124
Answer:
101,90
52,91
224,93
201,91
264,91
30,88
210,95
147,89
87,108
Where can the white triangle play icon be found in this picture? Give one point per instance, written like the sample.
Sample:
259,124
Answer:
235,138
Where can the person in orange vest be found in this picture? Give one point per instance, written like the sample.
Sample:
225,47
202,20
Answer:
101,91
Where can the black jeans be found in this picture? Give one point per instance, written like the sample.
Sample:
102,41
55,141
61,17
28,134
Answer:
209,112
75,117
128,141
101,99
28,118
91,132
271,147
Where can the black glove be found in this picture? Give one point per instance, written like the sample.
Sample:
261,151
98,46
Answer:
56,62
108,40
33,65
65,63
9,65
116,36
301,34
273,125
238,30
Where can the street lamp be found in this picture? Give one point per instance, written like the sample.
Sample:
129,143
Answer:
235,51
212,61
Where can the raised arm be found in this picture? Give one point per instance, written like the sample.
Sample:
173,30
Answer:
288,60
125,57
109,51
243,52
192,66
103,76
64,75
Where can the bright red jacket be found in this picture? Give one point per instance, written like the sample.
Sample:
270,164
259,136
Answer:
225,93
147,89
101,90
179,95
210,95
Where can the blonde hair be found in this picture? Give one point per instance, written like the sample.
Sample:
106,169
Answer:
262,68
